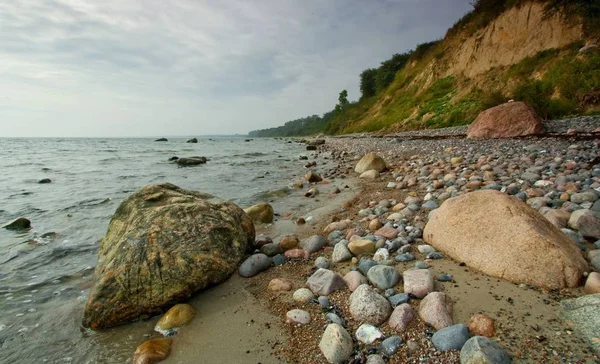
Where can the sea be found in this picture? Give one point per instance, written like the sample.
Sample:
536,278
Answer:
46,272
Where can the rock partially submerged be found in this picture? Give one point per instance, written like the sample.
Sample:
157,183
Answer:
505,238
177,317
191,161
262,212
164,244
20,223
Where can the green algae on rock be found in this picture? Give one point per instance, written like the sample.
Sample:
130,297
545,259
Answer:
164,244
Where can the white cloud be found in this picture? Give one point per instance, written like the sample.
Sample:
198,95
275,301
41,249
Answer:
185,67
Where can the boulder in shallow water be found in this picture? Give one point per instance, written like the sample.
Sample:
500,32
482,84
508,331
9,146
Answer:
191,161
503,237
312,177
262,212
45,181
164,244
152,351
20,223
161,140
193,140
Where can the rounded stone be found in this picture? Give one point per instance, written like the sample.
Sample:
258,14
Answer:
177,317
482,325
279,284
451,337
336,344
314,243
383,277
152,351
297,316
303,295
254,264
322,262
368,306
481,350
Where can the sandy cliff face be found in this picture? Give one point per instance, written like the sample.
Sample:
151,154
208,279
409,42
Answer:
518,33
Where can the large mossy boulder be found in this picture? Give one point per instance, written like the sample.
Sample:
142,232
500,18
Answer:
164,244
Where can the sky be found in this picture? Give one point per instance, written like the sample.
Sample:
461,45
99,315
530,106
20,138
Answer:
114,68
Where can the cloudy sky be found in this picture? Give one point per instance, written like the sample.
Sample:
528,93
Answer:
194,67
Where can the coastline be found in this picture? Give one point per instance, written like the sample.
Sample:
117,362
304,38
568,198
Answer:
241,321
527,319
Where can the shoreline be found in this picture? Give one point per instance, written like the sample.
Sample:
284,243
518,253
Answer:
527,318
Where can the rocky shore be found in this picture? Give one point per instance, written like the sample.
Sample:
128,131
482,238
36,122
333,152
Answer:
373,283
398,249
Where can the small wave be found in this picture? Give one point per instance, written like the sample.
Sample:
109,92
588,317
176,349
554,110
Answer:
111,159
127,176
270,194
88,203
250,154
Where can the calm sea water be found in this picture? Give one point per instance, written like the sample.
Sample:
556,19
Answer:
44,282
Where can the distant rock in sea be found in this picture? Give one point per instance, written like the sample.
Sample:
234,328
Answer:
162,140
193,140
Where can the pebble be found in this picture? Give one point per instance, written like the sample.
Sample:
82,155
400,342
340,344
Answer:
436,310
435,255
368,306
390,345
322,262
383,277
314,243
419,264
324,282
445,277
303,295
324,302
451,337
354,279
398,299
175,318
297,316
482,325
358,247
332,318
479,349
254,264
336,344
405,257
279,259
375,359
340,253
364,265
367,334
381,254
279,284
152,351
425,248
418,282
401,317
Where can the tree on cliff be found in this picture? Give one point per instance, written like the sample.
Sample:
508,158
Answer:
342,101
